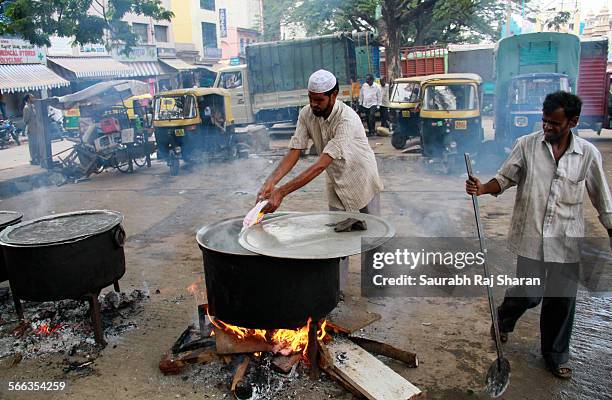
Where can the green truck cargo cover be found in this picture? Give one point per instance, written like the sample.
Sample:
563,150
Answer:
538,52
286,65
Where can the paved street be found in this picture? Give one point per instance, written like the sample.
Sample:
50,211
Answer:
450,336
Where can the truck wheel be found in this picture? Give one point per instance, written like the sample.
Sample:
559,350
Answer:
398,141
174,164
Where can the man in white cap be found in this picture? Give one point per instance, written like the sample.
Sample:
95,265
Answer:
353,183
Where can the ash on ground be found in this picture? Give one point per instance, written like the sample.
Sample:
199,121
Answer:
65,326
261,382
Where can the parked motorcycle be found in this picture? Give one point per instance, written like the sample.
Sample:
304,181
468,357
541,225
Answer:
8,131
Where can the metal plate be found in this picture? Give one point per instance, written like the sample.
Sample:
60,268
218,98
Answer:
308,236
222,236
179,132
461,124
9,217
60,228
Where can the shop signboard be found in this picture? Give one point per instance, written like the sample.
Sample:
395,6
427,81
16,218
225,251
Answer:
18,51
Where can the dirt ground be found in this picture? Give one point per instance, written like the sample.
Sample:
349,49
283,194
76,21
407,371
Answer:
450,335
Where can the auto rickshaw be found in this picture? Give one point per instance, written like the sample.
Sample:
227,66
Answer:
404,110
450,122
194,123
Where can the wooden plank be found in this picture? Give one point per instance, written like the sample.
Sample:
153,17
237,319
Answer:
366,373
228,344
386,350
350,316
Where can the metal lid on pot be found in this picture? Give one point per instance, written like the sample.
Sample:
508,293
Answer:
222,236
311,235
60,228
9,218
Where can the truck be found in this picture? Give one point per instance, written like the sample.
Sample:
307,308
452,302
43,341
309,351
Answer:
271,87
592,83
477,59
527,68
420,61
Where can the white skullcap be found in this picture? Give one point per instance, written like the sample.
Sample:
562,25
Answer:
321,81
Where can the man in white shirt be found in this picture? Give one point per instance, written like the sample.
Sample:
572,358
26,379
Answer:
353,183
385,103
551,169
370,98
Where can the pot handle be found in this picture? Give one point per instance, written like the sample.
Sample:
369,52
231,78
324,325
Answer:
119,236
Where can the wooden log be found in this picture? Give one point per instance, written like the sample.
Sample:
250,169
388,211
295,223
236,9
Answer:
366,373
240,372
386,350
228,344
172,364
285,363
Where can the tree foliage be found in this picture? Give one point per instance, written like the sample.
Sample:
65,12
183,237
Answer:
560,19
87,21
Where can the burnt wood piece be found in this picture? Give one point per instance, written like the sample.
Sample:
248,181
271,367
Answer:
171,364
240,373
190,339
284,364
313,351
383,349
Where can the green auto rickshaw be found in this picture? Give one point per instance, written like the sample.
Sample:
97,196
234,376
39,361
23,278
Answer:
404,110
194,123
450,120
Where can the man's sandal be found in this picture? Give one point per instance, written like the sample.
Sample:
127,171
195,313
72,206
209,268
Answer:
503,336
561,372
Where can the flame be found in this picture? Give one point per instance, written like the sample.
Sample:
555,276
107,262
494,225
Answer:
45,329
285,341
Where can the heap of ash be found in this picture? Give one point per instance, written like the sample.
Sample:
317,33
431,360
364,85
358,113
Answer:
64,326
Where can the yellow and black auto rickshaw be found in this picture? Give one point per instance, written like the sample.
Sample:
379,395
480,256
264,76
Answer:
404,110
191,124
450,121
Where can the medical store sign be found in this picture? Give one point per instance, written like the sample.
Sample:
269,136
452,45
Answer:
18,51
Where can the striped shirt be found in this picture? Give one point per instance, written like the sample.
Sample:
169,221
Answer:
548,220
352,177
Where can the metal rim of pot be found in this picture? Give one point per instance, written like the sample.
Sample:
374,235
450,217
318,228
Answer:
15,217
119,240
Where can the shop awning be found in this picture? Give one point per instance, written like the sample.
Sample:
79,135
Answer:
89,67
147,68
28,77
178,64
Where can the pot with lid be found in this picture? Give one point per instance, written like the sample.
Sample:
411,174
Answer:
254,291
65,256
7,218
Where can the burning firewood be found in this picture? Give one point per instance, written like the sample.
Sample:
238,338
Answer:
229,344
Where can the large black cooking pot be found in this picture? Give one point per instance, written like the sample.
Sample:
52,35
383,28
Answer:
254,291
64,256
7,218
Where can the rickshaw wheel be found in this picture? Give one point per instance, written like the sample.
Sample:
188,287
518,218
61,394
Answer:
398,141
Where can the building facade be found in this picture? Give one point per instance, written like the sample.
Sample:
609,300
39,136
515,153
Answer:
216,29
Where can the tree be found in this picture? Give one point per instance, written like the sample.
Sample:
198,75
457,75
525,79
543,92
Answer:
274,14
560,19
87,21
405,22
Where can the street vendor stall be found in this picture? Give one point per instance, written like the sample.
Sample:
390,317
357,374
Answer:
110,135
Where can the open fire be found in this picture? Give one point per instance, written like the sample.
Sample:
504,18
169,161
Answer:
284,341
